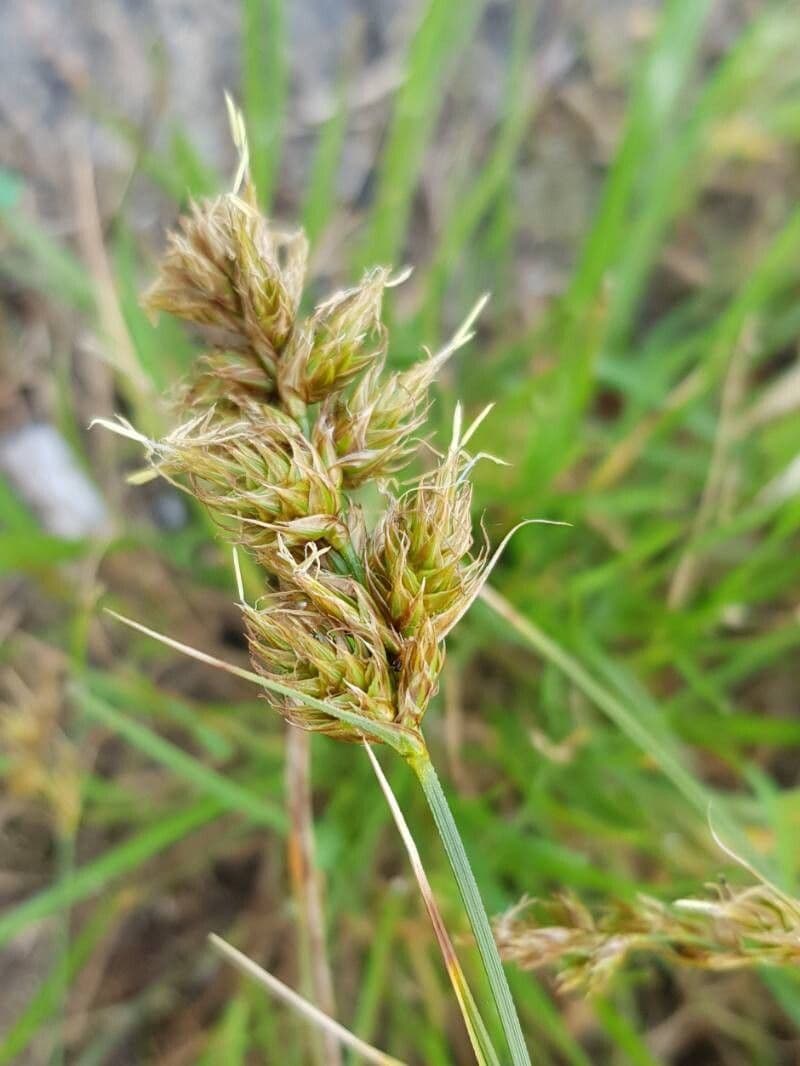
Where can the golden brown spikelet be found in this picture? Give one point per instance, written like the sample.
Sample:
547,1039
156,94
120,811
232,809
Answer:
418,563
259,477
343,338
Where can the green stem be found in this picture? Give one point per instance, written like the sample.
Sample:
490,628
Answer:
451,839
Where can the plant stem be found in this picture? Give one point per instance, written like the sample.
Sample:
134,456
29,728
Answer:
451,839
478,1034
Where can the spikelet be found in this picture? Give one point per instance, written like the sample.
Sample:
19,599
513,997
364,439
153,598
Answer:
343,338
227,269
229,380
341,597
371,432
732,929
259,477
420,661
418,563
296,645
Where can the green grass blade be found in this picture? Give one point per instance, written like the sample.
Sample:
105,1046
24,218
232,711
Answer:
216,785
14,515
38,551
476,1028
92,878
46,263
472,205
264,85
135,692
628,721
655,98
678,166
639,721
470,895
320,201
47,998
443,32
579,327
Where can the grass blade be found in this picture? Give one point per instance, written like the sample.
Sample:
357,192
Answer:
581,324
478,1034
444,30
90,879
320,198
471,897
196,773
302,1006
47,999
264,81
476,200
639,725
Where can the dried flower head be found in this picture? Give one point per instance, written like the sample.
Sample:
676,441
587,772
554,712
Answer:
730,930
226,268
314,654
352,619
418,561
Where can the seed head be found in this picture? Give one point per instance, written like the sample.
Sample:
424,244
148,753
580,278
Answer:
353,620
227,269
259,477
343,338
732,929
296,645
418,564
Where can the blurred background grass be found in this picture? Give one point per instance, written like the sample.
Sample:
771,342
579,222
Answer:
623,177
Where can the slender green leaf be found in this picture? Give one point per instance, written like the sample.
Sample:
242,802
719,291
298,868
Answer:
264,85
444,31
470,895
92,878
46,1000
223,789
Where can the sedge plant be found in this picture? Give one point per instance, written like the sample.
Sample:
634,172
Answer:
284,419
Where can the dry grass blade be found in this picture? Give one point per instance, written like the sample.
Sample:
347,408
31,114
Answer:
306,886
302,1006
405,742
